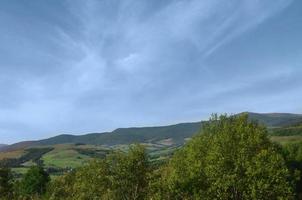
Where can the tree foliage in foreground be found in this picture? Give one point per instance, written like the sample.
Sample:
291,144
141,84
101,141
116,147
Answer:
119,176
6,184
293,155
34,182
231,159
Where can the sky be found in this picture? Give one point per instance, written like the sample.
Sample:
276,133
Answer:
79,66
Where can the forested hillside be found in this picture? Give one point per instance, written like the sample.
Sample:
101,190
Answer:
178,133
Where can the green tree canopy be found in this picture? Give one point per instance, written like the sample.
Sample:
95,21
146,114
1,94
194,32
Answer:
120,176
34,181
293,154
6,183
231,158
129,173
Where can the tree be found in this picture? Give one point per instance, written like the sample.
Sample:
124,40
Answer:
232,158
92,181
129,173
6,183
119,176
293,155
62,187
34,181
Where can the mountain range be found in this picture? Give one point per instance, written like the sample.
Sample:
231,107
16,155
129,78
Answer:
177,133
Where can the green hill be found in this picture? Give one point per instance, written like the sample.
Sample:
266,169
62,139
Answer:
178,133
276,119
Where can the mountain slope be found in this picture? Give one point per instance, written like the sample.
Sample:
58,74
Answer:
16,146
276,119
177,133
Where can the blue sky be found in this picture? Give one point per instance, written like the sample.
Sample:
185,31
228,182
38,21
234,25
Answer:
74,66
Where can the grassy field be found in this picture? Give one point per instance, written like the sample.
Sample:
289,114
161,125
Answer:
286,139
20,170
64,156
11,154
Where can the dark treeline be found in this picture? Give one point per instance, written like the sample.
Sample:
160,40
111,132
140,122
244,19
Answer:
232,158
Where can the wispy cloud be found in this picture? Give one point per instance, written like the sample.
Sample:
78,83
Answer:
97,65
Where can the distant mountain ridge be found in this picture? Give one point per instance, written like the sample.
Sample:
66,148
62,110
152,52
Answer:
19,145
276,119
130,135
178,133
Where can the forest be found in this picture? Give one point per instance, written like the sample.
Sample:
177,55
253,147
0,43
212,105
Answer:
231,157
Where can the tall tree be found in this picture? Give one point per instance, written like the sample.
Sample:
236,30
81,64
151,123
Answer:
129,173
232,158
34,181
6,183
